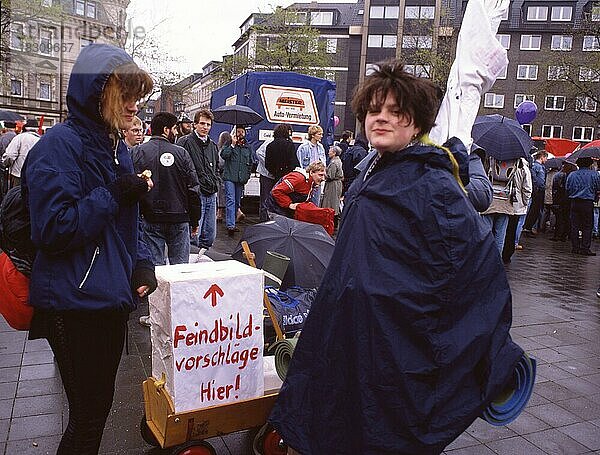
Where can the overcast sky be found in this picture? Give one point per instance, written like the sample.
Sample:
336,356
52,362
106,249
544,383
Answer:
198,31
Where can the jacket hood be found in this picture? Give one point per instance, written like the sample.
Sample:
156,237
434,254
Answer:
362,141
91,71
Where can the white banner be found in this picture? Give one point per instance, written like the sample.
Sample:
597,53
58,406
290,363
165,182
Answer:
289,105
207,333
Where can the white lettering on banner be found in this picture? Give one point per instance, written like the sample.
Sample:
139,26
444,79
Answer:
294,319
289,105
208,336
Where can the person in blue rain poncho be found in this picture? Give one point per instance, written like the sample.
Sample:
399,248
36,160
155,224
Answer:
408,338
91,266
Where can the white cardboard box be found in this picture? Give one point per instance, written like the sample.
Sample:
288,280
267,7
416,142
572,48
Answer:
207,333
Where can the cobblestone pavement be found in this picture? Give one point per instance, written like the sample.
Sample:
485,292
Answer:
556,318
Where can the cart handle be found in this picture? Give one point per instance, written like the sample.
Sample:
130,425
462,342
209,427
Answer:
160,383
250,257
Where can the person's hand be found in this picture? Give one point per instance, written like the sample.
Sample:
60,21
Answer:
234,139
128,189
293,206
142,291
194,231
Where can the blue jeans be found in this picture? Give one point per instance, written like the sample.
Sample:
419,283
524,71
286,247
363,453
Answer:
176,237
207,231
233,198
596,217
519,228
499,223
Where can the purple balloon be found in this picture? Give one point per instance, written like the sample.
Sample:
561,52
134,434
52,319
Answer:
526,112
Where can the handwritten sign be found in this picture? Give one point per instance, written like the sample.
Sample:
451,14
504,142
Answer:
207,333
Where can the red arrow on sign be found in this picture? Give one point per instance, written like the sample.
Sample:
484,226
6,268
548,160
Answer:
212,292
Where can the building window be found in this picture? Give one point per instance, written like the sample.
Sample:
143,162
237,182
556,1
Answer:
549,131
85,8
528,128
583,133
392,12
321,18
45,41
16,36
596,13
585,104
292,18
313,45
520,97
374,40
493,100
537,13
419,12
418,70
371,68
83,42
45,91
377,12
46,3
331,45
589,74
561,13
591,43
561,42
504,41
558,73
531,42
503,74
16,87
390,41
416,41
527,72
554,103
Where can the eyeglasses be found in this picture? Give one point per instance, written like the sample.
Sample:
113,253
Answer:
136,130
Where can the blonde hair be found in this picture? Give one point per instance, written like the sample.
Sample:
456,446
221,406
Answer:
126,83
312,130
317,166
137,121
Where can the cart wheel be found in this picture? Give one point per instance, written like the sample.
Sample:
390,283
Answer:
273,444
195,448
147,434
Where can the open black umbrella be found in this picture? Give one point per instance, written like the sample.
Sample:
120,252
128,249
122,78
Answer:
237,115
501,137
307,245
10,116
588,152
554,163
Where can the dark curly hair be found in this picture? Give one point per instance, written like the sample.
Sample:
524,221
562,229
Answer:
418,98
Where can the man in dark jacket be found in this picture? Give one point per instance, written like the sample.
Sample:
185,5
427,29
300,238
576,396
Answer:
538,180
351,157
205,156
583,186
172,207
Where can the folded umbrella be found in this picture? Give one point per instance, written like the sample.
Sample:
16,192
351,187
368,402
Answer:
237,115
501,137
511,402
307,245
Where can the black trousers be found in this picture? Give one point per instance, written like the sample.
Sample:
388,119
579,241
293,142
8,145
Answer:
537,202
582,219
510,238
563,225
87,346
266,185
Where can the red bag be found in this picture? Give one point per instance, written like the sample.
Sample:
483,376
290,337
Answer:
309,212
14,294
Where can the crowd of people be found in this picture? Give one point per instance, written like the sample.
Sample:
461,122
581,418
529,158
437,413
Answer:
107,204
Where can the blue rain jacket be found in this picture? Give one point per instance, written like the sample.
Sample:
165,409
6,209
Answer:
87,245
408,338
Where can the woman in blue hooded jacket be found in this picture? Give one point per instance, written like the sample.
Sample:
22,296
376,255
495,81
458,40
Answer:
91,266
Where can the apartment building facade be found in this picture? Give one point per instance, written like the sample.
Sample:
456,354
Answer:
42,49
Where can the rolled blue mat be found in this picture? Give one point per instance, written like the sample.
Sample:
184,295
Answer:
511,402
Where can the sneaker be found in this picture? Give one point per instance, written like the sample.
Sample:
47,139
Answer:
518,247
598,293
240,215
145,321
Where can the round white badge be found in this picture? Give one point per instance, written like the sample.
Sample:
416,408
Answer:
167,159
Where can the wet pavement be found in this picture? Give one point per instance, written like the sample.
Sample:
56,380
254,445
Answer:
556,318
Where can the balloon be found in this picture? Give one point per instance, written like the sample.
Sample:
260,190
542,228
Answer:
336,121
526,112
